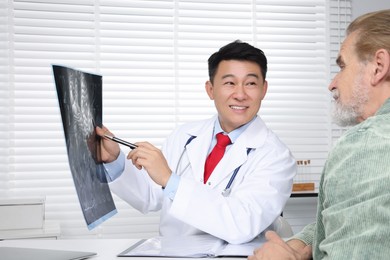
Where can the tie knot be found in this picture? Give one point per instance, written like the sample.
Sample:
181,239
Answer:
223,140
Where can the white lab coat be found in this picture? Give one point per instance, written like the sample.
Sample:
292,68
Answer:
258,195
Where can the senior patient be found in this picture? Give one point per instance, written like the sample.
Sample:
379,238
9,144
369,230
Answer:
353,215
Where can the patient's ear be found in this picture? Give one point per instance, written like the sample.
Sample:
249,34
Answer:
381,61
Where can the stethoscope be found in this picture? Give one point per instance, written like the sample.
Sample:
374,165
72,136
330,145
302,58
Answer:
228,188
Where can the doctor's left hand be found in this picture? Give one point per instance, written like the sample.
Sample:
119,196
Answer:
150,158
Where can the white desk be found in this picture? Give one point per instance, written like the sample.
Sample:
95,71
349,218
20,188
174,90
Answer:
106,249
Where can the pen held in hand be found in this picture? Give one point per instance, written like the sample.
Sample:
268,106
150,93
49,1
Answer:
120,141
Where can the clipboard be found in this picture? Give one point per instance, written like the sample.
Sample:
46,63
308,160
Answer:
196,246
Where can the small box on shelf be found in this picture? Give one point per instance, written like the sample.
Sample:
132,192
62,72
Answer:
308,186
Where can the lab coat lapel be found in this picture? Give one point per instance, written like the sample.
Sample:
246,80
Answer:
198,148
197,153
232,159
253,137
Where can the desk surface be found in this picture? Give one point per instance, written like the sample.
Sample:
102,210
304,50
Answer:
106,249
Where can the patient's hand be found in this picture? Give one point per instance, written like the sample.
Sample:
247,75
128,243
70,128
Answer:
276,248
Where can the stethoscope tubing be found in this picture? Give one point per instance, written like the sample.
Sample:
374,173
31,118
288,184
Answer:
227,189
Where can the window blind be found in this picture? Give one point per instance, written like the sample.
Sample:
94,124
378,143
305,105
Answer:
153,58
340,16
4,92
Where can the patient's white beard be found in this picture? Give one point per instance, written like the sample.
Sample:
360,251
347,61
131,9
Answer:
347,114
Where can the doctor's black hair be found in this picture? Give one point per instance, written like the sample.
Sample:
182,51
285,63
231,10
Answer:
240,51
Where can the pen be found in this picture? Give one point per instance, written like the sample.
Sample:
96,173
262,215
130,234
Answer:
120,141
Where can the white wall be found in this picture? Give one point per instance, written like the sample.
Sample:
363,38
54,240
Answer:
360,7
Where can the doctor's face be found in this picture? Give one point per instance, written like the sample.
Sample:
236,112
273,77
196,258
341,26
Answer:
237,91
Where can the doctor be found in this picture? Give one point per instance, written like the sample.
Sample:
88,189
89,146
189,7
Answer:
249,186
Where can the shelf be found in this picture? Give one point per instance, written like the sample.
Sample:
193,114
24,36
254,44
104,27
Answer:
50,230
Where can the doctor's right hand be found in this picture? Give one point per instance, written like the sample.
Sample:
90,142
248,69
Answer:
151,158
109,150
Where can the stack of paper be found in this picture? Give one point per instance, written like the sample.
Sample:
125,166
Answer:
25,218
21,213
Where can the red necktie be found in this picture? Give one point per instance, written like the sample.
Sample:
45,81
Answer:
216,155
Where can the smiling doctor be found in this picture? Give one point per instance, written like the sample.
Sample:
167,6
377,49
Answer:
248,188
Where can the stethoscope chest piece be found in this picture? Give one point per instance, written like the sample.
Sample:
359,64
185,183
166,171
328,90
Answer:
226,192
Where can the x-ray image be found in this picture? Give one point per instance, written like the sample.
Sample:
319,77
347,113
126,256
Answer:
80,100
